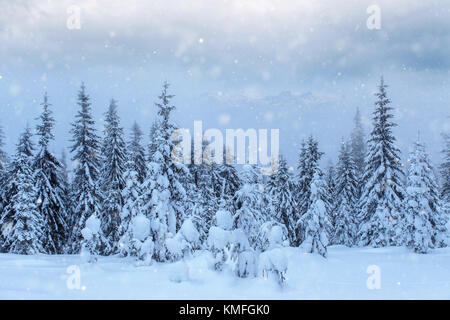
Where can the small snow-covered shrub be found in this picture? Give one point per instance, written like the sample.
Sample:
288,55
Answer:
273,262
219,242
91,238
272,233
246,264
184,242
243,258
138,240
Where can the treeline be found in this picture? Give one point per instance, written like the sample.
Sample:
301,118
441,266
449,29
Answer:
134,200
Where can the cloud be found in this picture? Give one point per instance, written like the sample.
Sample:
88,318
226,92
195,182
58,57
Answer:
266,37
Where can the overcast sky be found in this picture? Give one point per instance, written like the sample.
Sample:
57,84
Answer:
253,48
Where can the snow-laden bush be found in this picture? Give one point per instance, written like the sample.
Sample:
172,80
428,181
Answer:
231,248
183,243
91,238
219,243
268,234
273,261
243,257
137,241
142,245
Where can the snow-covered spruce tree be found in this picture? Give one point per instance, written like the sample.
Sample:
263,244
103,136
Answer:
135,231
437,215
315,220
358,150
281,189
220,238
25,150
112,180
207,183
152,141
132,196
50,188
330,181
136,152
3,175
345,226
231,181
163,192
307,164
65,184
418,228
445,170
381,201
86,200
22,223
249,203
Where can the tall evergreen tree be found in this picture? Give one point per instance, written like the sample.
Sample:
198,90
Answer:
132,196
345,227
445,169
419,209
249,203
21,221
25,149
86,194
66,188
307,166
50,192
330,181
3,175
163,192
112,177
205,192
358,150
381,209
137,153
281,189
315,221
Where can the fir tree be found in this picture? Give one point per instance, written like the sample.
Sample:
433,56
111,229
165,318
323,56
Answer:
345,226
381,209
25,149
132,196
50,192
205,191
281,189
436,213
22,223
445,170
137,153
419,230
163,192
249,204
112,177
358,150
307,166
315,221
86,195
230,178
330,181
66,189
3,174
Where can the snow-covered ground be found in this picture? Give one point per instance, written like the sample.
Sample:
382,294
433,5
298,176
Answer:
343,275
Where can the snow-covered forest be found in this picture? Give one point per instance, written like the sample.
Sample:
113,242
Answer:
133,201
